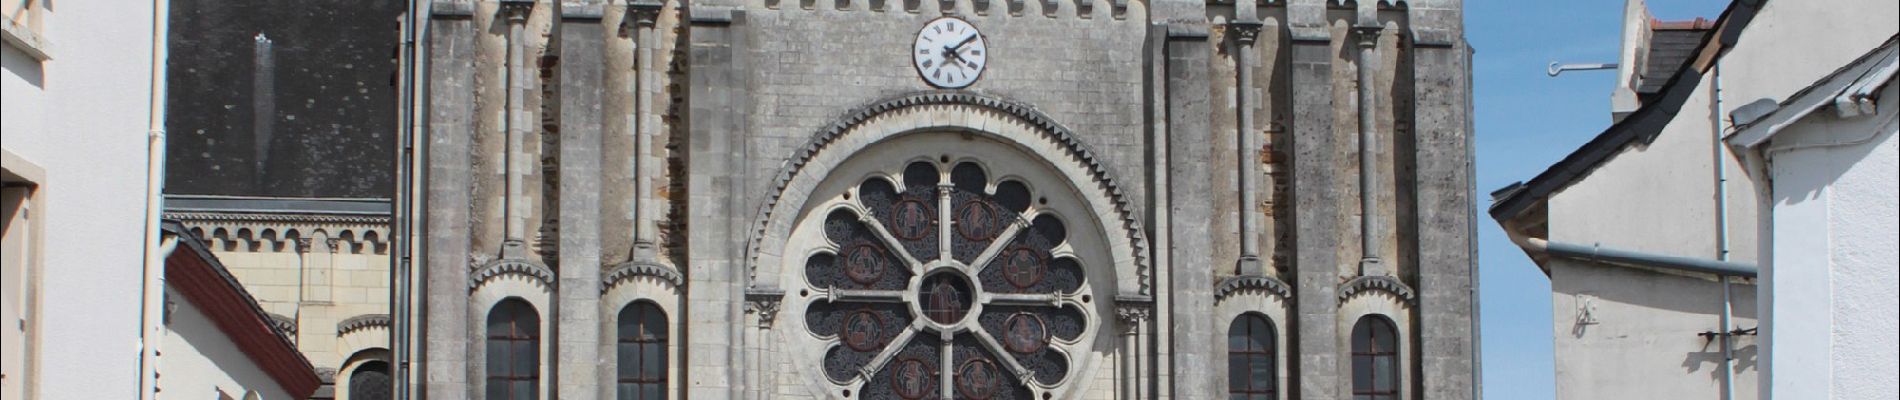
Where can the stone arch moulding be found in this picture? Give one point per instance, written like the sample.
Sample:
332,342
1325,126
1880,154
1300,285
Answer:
1004,120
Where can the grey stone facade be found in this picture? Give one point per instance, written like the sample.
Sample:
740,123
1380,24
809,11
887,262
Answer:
684,153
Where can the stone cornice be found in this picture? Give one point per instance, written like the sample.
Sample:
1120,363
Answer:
359,322
1229,286
1380,283
629,271
502,267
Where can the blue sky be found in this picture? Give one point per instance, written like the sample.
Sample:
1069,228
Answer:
1526,121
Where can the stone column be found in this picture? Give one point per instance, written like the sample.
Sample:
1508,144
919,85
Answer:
1132,313
715,268
516,129
1315,208
1191,265
646,78
1246,29
1447,277
443,337
1370,236
582,69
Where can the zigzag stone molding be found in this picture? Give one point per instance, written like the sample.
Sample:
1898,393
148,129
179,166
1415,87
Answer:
285,325
1377,283
1077,151
1229,286
355,323
629,271
511,267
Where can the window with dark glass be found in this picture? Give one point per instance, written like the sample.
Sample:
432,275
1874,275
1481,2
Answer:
642,346
1375,359
514,351
370,381
1251,366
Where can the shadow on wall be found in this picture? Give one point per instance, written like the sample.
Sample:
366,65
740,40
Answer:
1841,144
24,66
1745,358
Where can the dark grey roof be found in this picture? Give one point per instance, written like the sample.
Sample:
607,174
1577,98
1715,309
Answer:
1668,49
282,98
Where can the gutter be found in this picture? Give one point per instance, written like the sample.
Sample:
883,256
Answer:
1630,258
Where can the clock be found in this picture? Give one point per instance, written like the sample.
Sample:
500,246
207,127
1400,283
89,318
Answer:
949,53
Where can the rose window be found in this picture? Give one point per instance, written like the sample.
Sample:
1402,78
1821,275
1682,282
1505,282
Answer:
943,281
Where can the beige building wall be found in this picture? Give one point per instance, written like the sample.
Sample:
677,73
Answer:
201,362
312,273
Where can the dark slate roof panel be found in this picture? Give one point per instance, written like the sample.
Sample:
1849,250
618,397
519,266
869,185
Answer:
310,114
1668,49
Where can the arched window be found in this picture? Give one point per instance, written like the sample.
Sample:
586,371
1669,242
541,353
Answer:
1375,359
514,351
370,381
1251,359
642,347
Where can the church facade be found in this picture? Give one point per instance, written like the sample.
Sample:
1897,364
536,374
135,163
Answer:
842,199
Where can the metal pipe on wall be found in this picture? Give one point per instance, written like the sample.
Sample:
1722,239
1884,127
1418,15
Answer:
151,299
1369,226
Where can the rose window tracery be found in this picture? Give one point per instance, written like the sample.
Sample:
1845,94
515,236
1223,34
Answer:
940,280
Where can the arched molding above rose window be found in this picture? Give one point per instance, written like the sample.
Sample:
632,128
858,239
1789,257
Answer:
1018,125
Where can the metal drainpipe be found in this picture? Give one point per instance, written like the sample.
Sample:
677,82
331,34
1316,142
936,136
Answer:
1721,228
418,89
1369,226
153,282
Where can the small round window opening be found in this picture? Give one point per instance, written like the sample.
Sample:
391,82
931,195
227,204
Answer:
943,281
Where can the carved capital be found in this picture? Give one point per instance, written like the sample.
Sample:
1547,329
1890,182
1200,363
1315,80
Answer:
1245,30
516,10
1368,35
644,13
1133,311
765,303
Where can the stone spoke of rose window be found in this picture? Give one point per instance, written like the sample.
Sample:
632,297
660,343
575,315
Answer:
1028,336
910,216
860,333
1027,264
976,372
980,215
861,261
912,372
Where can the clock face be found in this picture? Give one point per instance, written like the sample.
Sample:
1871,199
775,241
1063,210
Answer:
949,53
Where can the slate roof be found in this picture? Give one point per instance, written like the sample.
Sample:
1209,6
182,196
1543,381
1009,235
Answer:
1670,45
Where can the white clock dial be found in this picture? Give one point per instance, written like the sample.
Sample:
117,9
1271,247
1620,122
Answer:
949,53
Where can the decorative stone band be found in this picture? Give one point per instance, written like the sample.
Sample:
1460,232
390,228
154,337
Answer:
355,323
285,325
631,270
266,232
1380,283
511,267
1103,177
1229,286
765,302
